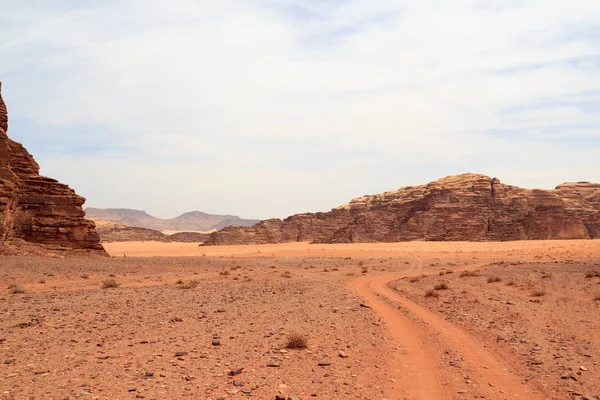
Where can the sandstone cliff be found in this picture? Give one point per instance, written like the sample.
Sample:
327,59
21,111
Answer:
469,207
37,209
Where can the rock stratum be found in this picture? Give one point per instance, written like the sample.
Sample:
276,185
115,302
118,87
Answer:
194,221
36,209
467,207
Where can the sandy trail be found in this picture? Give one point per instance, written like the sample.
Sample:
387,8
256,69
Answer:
419,371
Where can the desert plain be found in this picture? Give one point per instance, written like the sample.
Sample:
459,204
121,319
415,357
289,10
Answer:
413,320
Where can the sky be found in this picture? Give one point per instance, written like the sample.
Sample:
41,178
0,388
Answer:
267,108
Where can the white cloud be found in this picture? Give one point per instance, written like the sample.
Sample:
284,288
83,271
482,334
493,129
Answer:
268,108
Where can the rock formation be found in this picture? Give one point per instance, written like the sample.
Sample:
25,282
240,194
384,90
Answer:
37,209
468,207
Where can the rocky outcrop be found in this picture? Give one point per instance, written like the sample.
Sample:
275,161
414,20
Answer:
37,209
468,207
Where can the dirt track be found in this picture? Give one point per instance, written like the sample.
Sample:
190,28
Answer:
425,377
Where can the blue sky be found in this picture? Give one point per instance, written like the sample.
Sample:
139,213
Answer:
267,108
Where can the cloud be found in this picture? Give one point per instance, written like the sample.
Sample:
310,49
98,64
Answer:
269,108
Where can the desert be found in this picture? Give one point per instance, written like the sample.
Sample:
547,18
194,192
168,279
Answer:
300,199
513,320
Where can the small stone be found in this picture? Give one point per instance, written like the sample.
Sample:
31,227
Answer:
365,305
42,372
216,342
181,353
239,383
132,389
324,364
583,368
342,354
274,365
236,371
279,397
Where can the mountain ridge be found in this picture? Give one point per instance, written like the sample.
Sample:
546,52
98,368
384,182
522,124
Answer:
195,221
467,207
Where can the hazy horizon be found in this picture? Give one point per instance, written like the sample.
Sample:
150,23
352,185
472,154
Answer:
270,108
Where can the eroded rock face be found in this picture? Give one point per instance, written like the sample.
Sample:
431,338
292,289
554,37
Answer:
35,208
468,207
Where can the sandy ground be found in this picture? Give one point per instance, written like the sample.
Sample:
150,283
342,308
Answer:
184,317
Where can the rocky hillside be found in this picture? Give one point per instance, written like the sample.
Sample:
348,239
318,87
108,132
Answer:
192,221
468,207
114,232
37,209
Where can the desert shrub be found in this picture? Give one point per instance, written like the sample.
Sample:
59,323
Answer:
449,272
286,274
16,288
538,293
442,273
441,286
188,285
85,276
109,283
468,274
592,274
224,273
431,293
494,279
296,341
510,283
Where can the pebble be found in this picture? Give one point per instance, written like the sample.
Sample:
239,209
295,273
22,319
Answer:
216,342
236,371
324,364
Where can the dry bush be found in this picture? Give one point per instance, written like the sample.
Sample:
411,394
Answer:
468,274
16,288
109,283
494,279
592,274
188,285
85,276
296,341
431,293
538,293
510,283
224,273
449,272
286,274
442,273
441,286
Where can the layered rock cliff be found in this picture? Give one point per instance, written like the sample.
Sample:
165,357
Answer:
468,207
37,209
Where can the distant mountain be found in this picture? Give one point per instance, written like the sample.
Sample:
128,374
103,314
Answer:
194,221
110,231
